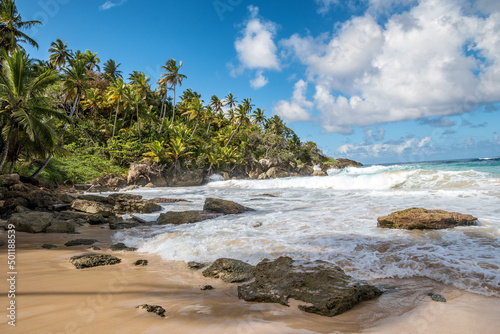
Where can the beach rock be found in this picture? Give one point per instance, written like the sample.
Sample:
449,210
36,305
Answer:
306,169
153,309
158,200
323,287
79,242
124,205
224,207
195,265
141,263
119,224
61,227
275,172
206,287
95,207
185,178
230,270
93,260
8,180
31,222
179,218
436,297
344,163
319,173
116,182
268,163
420,218
49,246
102,189
121,246
263,176
137,174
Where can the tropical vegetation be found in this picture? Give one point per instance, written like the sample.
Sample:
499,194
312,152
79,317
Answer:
66,120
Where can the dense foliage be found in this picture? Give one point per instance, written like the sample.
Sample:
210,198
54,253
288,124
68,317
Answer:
71,122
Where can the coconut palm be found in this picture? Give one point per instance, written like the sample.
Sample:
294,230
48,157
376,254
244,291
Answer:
241,117
24,107
117,93
111,70
172,78
92,60
195,110
258,116
230,101
11,26
59,53
141,88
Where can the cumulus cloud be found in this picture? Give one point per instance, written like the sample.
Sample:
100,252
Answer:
259,81
110,4
256,49
399,148
298,109
432,60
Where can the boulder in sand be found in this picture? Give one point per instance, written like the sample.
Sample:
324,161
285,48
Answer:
224,207
230,270
93,260
419,218
323,287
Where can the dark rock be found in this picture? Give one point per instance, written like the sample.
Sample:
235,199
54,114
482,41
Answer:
8,180
182,217
121,246
108,200
61,227
119,224
344,163
325,288
185,178
436,297
31,222
268,163
116,182
49,246
230,270
224,207
195,265
305,170
153,309
276,172
78,242
94,248
206,287
419,218
141,263
93,260
123,206
167,200
102,189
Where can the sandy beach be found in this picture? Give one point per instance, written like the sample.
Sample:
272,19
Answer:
54,297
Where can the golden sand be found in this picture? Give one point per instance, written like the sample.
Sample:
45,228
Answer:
52,296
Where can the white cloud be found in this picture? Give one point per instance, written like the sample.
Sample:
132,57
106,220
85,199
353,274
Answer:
298,108
110,4
433,60
410,146
256,49
259,81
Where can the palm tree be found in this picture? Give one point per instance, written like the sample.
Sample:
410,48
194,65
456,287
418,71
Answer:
59,53
92,60
230,101
11,25
216,104
194,110
241,117
24,108
117,93
208,116
172,78
75,78
93,100
111,70
141,88
177,150
258,116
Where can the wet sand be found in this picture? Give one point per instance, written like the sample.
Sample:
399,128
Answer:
52,296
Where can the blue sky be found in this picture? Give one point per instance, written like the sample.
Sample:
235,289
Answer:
377,81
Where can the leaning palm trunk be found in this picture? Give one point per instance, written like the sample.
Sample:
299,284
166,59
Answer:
173,109
116,117
163,111
138,124
73,109
6,147
232,135
194,129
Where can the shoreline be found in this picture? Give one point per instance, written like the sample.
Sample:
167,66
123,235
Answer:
103,299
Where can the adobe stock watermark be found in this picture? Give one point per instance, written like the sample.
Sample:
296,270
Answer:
223,6
11,275
48,9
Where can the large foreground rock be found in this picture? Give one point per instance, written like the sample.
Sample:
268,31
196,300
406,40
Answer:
230,270
93,260
185,217
419,218
324,288
38,222
224,207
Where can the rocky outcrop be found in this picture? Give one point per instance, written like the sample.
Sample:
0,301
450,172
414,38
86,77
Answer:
168,200
142,174
92,207
79,242
31,222
121,246
324,288
230,270
141,263
420,218
114,204
224,207
93,260
185,178
319,173
185,217
193,265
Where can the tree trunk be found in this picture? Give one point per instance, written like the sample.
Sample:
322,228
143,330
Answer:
5,151
116,117
163,111
138,124
208,128
197,120
232,135
173,112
